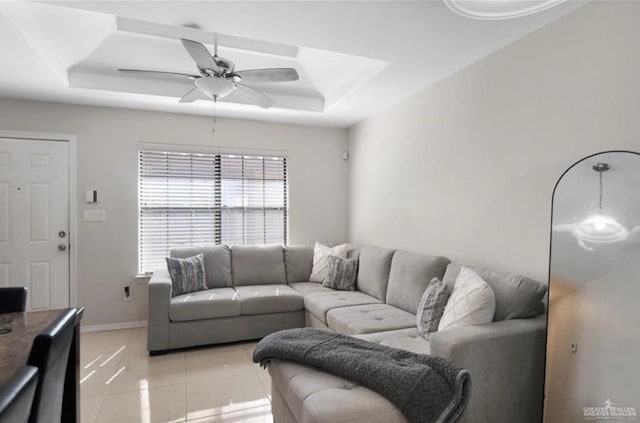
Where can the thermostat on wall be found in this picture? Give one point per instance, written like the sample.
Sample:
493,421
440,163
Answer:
92,196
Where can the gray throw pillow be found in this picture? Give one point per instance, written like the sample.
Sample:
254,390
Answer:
431,307
342,273
187,275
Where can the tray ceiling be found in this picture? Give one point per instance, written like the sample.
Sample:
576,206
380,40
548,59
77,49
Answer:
354,58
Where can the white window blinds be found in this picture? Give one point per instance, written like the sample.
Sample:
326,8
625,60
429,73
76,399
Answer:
188,198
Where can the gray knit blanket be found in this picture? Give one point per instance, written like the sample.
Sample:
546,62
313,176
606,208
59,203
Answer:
424,388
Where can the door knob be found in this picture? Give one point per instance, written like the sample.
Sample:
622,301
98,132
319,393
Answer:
62,247
62,234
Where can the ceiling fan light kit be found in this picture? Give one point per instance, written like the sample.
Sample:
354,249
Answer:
218,77
499,9
600,228
215,88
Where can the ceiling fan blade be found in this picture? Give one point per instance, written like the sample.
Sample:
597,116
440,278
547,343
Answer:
269,75
200,55
192,95
254,97
157,73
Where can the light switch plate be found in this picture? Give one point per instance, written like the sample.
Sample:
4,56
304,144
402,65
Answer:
94,216
91,196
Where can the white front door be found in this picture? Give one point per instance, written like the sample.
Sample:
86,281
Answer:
34,220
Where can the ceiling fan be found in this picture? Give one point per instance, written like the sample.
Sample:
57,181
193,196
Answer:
218,77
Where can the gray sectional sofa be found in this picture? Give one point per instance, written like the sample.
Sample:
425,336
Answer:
255,291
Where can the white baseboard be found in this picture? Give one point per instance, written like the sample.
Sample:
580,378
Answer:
114,326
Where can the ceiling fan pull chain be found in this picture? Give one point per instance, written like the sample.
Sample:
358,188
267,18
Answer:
215,113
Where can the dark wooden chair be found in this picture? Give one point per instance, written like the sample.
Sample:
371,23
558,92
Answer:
13,300
16,397
50,354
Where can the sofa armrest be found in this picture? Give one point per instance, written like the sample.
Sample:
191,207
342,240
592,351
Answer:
158,312
506,362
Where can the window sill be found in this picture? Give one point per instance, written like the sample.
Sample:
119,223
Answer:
142,277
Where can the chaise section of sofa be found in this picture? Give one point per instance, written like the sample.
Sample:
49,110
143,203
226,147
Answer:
505,358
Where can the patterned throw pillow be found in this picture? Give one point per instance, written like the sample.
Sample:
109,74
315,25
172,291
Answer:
187,275
431,307
342,273
472,302
320,268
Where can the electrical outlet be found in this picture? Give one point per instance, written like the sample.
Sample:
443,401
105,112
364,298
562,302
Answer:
127,293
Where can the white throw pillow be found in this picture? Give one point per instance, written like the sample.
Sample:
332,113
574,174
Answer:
472,302
321,253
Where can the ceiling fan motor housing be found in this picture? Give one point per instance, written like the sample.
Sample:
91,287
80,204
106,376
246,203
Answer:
225,64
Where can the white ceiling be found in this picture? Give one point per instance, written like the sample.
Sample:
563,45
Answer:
355,58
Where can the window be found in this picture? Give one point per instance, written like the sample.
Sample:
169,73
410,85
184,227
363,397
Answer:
188,198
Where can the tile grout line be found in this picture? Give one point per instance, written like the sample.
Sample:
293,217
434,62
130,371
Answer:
95,416
104,394
184,368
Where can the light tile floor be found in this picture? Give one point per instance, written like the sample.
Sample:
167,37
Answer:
121,383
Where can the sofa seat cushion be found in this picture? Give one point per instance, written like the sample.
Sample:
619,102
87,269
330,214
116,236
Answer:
307,391
403,339
319,303
369,318
207,304
267,299
305,288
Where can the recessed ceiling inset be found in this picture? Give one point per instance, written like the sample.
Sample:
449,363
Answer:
499,9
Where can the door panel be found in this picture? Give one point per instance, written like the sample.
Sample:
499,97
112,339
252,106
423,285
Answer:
40,283
39,212
34,207
4,211
5,276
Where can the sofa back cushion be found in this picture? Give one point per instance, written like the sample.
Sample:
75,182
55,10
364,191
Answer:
373,271
409,276
257,265
217,262
353,251
298,261
517,296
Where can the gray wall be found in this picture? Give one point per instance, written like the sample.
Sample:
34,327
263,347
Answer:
466,168
107,142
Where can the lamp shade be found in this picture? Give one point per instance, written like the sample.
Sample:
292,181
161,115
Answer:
499,9
600,228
